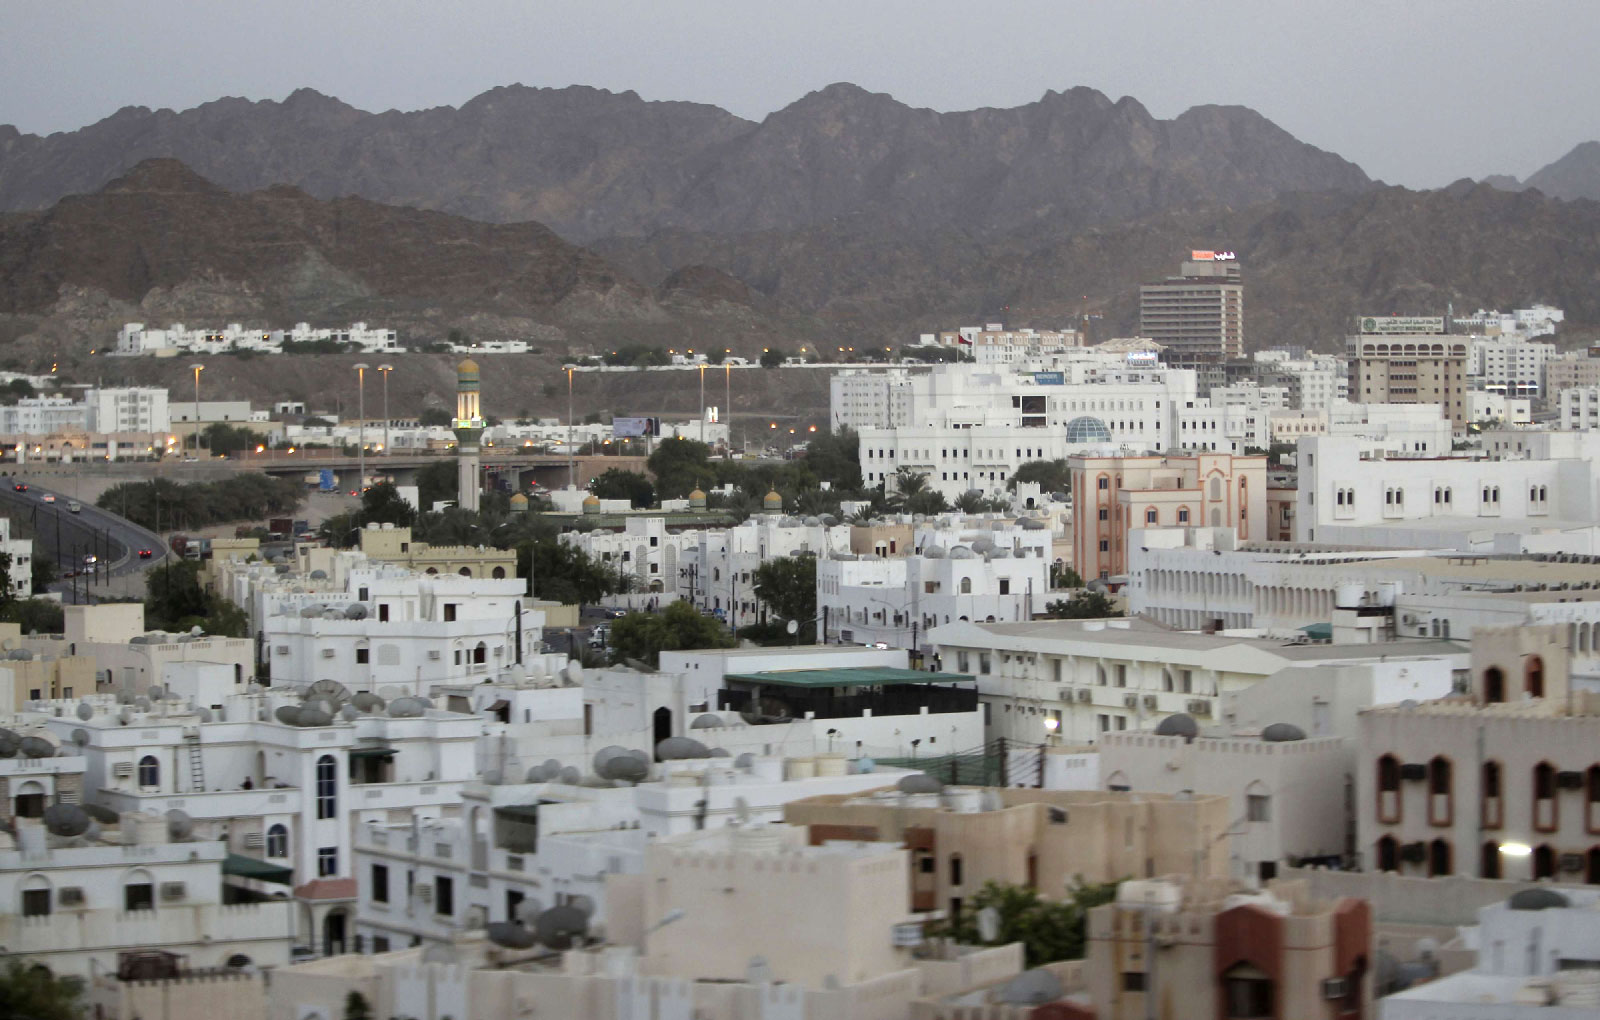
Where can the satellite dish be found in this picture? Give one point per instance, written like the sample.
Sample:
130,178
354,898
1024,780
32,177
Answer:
156,693
604,755
313,717
989,924
626,767
349,713
745,760
571,776
581,903
528,912
10,743
561,926
791,628
66,820
289,715
366,701
179,825
37,747
80,736
511,936
573,672
336,694
142,704
85,711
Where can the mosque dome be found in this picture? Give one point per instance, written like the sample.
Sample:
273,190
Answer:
697,500
772,501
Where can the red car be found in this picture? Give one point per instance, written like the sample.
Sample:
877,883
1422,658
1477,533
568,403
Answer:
145,554
21,486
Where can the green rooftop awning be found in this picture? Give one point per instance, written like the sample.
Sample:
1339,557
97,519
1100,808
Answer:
1319,631
864,676
249,867
371,752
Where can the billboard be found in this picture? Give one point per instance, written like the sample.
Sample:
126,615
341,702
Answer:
633,428
1380,324
1049,379
1143,359
1196,255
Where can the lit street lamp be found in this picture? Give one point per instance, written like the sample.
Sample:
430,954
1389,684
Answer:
386,369
198,368
361,428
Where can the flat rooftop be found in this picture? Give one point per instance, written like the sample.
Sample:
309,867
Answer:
857,676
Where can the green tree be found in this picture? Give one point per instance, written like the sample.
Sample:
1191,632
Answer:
42,615
1086,605
615,483
645,636
1049,930
437,482
225,440
788,587
1063,576
564,573
835,457
383,504
772,357
31,992
1052,475
7,596
680,466
435,417
356,1007
44,573
17,389
175,601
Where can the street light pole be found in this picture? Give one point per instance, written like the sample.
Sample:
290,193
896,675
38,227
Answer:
727,401
361,427
386,369
702,404
572,477
198,368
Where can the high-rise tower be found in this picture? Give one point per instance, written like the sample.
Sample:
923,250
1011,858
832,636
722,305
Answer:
469,429
1198,316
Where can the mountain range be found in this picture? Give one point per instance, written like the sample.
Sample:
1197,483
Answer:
1575,175
590,163
583,220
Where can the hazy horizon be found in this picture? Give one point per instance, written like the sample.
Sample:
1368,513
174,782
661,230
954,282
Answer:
1416,94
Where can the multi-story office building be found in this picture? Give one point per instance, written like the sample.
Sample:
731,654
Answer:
1572,370
1113,495
1424,366
1580,408
1198,315
127,409
1511,367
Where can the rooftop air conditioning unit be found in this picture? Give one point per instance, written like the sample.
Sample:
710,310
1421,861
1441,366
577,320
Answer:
254,841
327,653
1085,695
70,896
171,891
122,769
1150,701
433,656
281,650
1130,701
1199,706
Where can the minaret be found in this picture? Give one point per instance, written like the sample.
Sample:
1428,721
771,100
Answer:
469,429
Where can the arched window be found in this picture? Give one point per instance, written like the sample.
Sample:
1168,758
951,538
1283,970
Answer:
1533,677
1389,789
1494,685
1388,854
498,573
480,654
1545,817
149,771
1493,812
1439,858
1441,807
35,896
966,586
1544,861
1489,860
465,571
327,787
1216,487
277,841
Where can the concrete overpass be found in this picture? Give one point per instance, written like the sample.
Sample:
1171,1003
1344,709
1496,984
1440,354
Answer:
549,471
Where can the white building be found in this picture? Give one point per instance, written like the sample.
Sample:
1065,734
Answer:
1580,408
20,565
716,567
41,416
1314,382
1512,367
1537,955
135,339
644,548
75,898
127,409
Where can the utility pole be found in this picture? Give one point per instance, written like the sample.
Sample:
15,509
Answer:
361,428
198,368
386,369
572,482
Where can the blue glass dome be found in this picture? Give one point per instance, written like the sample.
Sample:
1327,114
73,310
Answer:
1087,429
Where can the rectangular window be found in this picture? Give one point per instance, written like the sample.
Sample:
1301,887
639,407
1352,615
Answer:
1258,808
1005,586
380,883
140,896
444,896
327,861
361,656
383,612
1133,980
449,612
35,902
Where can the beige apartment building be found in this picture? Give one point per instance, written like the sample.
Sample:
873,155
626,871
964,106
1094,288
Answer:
395,545
1049,840
1574,370
1113,495
1501,782
1205,951
1198,315
1410,368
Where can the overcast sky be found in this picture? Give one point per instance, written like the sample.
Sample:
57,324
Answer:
1418,93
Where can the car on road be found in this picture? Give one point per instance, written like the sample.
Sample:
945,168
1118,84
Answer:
21,486
90,560
47,498
145,554
616,614
74,507
600,636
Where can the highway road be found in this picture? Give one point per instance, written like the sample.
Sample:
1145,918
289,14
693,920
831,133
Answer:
67,538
